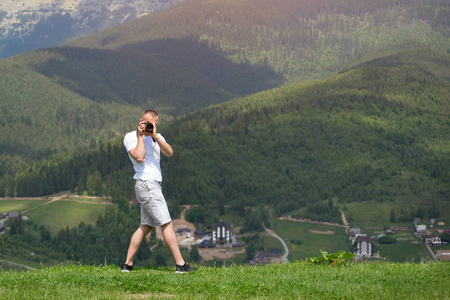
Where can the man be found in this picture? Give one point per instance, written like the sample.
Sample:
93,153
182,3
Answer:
144,146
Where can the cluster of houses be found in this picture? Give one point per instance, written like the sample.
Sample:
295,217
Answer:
10,215
274,256
363,243
219,236
422,232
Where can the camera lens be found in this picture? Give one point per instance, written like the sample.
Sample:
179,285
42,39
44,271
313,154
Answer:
149,127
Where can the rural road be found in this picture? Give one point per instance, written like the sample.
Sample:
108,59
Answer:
286,249
16,265
431,252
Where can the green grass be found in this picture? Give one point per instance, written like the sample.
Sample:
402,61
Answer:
298,280
19,205
303,244
404,252
59,214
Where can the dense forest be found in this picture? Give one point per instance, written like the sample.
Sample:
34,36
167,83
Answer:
377,132
190,56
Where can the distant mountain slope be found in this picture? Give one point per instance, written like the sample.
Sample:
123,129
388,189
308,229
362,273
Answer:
377,132
29,25
300,39
195,54
82,96
367,134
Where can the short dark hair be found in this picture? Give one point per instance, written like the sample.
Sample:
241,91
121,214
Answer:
152,112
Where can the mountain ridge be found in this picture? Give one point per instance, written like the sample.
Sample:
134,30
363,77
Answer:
46,23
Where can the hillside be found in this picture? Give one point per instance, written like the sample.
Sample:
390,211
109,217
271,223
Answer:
377,132
29,25
298,280
190,56
299,39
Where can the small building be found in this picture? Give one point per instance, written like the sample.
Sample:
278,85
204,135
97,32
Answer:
14,215
206,244
2,228
421,228
434,241
352,232
4,215
183,231
264,258
221,233
363,245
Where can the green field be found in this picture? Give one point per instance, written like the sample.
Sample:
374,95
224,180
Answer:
55,215
20,205
303,244
404,252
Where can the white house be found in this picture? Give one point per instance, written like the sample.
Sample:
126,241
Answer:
434,241
221,233
363,245
421,228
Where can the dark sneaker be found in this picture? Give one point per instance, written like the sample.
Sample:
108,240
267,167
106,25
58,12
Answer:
186,268
126,268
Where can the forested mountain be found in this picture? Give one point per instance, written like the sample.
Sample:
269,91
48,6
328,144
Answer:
29,25
189,56
376,132
300,39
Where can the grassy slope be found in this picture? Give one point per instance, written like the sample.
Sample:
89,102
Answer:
287,281
57,215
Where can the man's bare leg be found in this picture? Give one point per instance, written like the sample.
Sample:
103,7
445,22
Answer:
136,241
171,242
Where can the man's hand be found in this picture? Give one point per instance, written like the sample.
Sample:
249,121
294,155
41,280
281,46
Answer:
141,127
153,133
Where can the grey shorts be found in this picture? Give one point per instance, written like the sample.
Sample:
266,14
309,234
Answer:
154,210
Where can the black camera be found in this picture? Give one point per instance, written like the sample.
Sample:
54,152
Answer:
148,126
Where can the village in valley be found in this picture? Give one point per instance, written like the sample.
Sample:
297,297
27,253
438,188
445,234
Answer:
220,242
223,240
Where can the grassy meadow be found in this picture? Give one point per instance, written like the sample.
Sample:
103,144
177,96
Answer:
55,215
20,205
299,280
303,243
405,252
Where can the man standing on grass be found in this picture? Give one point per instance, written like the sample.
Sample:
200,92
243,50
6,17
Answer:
144,146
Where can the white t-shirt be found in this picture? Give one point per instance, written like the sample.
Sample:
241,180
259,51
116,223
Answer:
150,168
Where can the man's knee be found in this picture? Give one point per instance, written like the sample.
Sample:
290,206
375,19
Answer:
145,229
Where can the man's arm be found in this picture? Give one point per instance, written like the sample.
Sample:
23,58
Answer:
138,153
166,149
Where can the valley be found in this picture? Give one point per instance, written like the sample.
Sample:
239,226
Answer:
301,238
313,119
